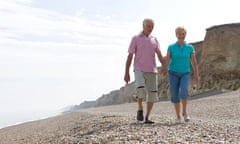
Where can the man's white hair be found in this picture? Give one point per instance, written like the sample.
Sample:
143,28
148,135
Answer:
147,20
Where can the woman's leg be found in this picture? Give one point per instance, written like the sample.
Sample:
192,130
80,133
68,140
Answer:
177,110
184,83
174,90
184,106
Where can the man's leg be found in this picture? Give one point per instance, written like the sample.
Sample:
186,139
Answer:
140,106
141,94
149,108
152,89
152,96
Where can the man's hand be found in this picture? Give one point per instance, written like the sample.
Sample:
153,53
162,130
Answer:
128,63
126,78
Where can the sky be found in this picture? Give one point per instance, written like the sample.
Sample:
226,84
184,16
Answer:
56,53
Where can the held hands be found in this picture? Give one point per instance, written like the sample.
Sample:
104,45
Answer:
164,70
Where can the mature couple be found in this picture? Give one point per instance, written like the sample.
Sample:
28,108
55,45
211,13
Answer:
180,56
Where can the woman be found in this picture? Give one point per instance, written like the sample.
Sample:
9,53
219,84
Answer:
179,57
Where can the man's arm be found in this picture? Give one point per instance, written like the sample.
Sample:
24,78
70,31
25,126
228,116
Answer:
127,67
160,58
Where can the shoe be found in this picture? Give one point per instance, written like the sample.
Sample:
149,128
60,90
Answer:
186,118
178,121
147,121
140,115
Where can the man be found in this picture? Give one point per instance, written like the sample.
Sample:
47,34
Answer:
144,46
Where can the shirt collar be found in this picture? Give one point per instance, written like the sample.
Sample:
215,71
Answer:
143,35
184,43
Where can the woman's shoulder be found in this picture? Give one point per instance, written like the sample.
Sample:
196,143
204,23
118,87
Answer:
189,45
173,44
171,47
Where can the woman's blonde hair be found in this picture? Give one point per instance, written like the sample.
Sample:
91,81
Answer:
180,29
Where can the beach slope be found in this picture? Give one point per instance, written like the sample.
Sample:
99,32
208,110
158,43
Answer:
214,119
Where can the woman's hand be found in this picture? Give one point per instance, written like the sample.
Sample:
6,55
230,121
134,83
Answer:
196,79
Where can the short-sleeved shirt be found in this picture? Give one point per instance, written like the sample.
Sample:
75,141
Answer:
144,49
180,57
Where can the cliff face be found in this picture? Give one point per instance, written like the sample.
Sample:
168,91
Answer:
220,64
219,67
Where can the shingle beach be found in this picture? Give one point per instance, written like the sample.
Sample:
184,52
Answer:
214,119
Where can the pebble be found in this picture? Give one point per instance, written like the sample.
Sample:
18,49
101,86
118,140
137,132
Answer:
210,123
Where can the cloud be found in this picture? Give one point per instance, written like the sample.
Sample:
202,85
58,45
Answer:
23,22
36,40
22,1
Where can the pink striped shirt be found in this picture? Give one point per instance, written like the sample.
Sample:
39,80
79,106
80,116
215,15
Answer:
144,49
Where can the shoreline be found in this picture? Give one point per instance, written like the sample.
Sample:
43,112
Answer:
17,118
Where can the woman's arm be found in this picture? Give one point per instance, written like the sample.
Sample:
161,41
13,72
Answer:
195,68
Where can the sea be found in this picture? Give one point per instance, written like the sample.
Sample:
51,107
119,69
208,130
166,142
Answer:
14,118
